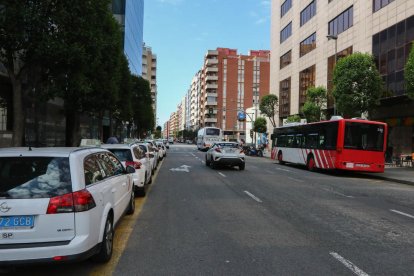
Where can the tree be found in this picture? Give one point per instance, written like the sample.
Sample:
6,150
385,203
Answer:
409,74
143,114
316,98
268,107
157,133
357,85
260,125
28,30
293,119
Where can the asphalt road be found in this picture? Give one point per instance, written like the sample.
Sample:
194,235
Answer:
267,220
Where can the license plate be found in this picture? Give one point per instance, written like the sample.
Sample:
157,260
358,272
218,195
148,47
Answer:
16,222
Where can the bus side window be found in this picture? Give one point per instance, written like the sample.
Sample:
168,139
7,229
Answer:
312,141
298,141
291,141
322,141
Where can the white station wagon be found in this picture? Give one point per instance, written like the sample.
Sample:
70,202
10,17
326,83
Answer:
61,204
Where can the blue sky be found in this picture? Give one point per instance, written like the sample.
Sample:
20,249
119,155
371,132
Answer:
181,31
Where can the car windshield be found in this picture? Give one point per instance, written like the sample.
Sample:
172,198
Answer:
362,136
34,177
122,154
213,132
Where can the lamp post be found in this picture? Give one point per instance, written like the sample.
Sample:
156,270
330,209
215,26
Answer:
334,37
256,102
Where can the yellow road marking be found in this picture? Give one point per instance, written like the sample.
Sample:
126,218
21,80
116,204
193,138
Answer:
122,233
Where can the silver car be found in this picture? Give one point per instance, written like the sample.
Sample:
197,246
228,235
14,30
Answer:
225,153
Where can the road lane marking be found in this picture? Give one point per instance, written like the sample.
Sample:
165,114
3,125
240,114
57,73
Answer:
295,179
123,232
337,193
402,213
269,171
193,154
283,170
203,162
222,174
253,196
356,270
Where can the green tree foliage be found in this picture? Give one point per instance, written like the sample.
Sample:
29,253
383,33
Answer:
293,119
357,84
409,74
268,107
143,114
27,35
260,125
316,98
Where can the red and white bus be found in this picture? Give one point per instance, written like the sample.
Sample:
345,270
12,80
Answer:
345,144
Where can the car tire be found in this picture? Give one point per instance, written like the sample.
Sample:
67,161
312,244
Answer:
213,165
131,204
105,252
150,179
241,167
207,162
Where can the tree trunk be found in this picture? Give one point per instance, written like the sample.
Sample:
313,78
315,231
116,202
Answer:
18,112
72,128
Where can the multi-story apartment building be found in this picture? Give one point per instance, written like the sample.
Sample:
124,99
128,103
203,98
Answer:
229,83
195,90
130,15
306,36
188,110
149,72
166,130
173,123
181,114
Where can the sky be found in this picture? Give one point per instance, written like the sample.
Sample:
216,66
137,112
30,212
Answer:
181,31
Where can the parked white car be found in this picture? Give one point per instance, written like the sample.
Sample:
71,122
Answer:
149,152
133,155
162,151
225,153
61,204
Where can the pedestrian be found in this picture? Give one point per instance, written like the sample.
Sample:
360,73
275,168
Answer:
112,140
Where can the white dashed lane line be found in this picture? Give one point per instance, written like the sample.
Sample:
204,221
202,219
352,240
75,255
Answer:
222,174
253,196
402,213
356,270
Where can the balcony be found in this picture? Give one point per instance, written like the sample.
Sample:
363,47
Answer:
212,78
211,61
211,103
207,111
210,120
211,86
211,94
211,70
212,53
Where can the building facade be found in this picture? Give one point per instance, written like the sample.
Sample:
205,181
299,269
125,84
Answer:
149,72
130,15
231,83
306,36
195,97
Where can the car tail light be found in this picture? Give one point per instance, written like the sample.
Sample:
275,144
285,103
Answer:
60,258
217,150
79,201
135,164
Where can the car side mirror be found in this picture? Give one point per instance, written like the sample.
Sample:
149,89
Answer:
151,155
130,169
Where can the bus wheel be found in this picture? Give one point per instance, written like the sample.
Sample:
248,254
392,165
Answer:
280,158
311,163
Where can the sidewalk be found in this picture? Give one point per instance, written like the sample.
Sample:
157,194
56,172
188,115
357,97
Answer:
404,175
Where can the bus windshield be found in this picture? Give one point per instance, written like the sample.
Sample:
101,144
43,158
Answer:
212,131
363,136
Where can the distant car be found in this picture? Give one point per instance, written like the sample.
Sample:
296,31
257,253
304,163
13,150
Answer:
162,150
61,204
149,152
133,155
225,153
188,142
171,140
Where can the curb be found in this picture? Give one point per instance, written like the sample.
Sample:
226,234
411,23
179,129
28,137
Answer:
401,181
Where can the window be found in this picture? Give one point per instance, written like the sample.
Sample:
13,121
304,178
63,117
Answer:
286,32
307,13
306,80
379,4
364,136
284,98
285,7
307,45
342,22
286,59
92,170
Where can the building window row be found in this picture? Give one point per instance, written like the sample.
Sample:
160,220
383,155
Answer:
342,22
285,7
284,98
306,80
286,32
307,13
308,45
379,4
286,59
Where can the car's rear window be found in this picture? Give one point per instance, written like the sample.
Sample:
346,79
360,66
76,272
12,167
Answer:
34,177
228,145
122,154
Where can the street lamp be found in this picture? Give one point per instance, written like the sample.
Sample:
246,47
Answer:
256,102
334,37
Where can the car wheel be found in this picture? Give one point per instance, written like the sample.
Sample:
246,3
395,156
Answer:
150,180
207,162
213,164
241,166
131,205
105,252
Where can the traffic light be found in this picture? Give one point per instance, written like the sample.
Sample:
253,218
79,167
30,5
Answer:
251,133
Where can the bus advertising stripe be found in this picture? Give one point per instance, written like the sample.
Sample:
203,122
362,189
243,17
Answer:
325,155
304,157
315,157
321,164
325,159
332,158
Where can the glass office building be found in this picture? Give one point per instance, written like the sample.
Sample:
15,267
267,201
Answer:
130,14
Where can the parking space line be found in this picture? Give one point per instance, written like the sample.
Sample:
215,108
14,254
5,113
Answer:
402,213
253,196
356,270
222,174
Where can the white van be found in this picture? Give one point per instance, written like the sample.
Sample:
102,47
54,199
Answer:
207,136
